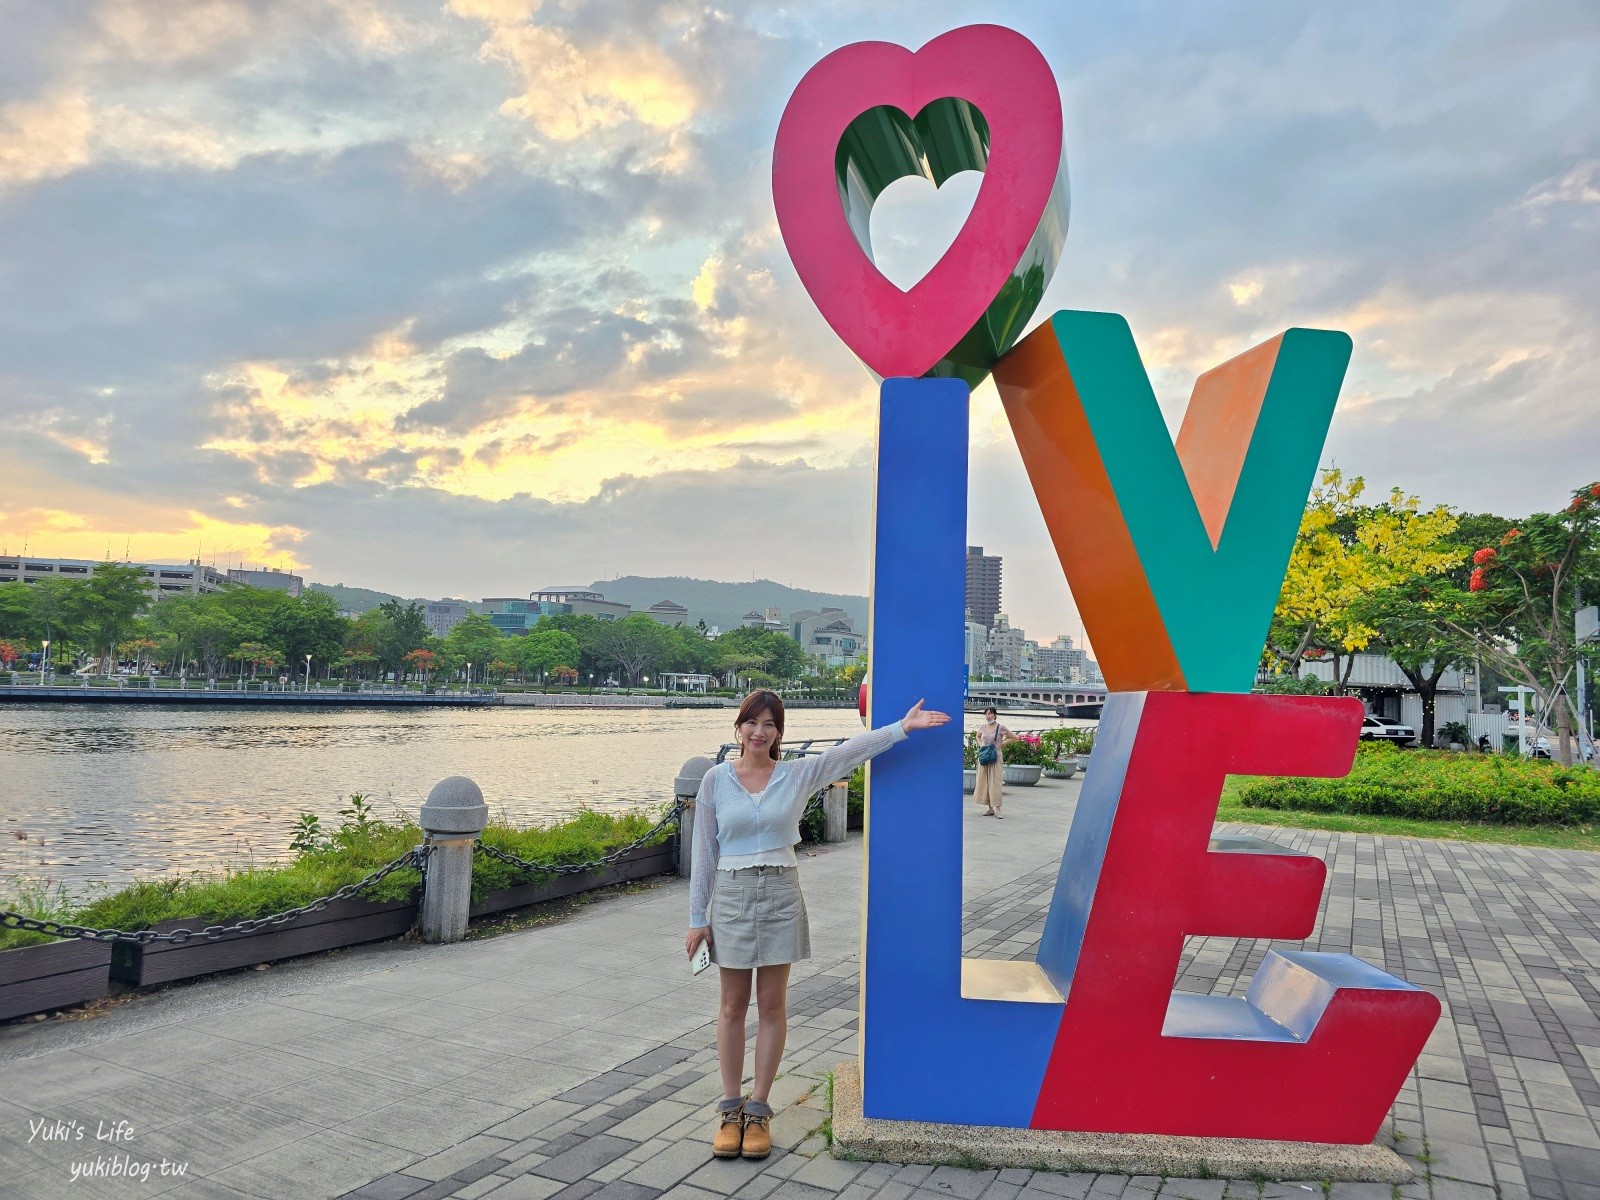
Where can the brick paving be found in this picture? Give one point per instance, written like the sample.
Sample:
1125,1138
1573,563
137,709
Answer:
578,1060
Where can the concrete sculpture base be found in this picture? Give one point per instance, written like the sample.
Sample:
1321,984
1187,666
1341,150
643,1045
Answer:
1119,1153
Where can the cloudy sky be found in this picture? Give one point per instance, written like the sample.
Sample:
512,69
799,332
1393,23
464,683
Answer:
473,297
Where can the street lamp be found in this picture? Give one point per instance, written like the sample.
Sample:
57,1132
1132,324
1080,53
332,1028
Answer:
44,657
308,672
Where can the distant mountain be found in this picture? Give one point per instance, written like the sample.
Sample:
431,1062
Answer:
725,604
721,604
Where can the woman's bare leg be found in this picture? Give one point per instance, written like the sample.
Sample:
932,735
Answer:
731,1013
772,1011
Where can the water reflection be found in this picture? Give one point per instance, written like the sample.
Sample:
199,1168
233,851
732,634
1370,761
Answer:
104,795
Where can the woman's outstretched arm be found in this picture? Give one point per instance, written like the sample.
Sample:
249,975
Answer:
837,762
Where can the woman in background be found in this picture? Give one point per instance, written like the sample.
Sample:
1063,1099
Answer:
993,735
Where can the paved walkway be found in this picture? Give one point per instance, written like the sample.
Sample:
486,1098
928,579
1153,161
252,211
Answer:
577,1060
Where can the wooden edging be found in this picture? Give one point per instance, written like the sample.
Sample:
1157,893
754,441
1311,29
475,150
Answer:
650,860
36,978
55,975
343,923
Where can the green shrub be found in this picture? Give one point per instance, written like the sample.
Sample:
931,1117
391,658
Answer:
1441,786
1058,743
585,837
39,901
325,863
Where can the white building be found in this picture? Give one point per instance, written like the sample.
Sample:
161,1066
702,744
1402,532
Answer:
771,619
1061,660
1379,681
167,578
829,635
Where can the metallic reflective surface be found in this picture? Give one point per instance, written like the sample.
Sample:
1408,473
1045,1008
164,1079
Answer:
978,98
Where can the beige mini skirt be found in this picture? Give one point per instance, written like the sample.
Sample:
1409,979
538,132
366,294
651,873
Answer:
758,918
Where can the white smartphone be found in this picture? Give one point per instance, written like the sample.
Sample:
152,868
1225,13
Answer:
701,959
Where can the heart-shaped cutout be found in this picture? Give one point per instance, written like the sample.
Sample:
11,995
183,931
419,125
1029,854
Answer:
914,224
978,98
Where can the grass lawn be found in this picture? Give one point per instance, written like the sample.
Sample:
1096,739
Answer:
1557,837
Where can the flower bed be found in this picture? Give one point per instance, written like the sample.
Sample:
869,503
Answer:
37,972
1441,786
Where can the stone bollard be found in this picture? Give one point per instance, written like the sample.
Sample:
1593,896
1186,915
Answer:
836,812
453,817
684,788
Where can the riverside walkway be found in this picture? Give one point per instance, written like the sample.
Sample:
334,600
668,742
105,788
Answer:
577,1060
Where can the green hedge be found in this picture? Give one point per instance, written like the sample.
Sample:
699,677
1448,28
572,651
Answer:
1435,785
348,855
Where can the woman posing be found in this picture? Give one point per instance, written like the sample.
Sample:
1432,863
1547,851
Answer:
991,737
744,894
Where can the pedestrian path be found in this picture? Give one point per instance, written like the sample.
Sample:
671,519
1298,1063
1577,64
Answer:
577,1060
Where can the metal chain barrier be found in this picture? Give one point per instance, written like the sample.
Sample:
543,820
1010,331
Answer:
416,857
533,868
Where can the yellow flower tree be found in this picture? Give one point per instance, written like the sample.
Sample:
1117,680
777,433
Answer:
1345,552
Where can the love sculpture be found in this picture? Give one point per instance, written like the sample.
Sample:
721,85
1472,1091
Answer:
1175,555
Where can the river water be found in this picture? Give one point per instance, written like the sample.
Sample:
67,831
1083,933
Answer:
102,794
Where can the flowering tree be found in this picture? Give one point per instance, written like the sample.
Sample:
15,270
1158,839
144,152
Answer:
423,661
9,653
1519,604
1344,553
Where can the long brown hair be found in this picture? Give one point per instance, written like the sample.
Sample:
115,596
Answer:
756,703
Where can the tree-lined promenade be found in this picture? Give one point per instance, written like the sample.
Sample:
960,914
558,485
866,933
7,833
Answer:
111,618
1431,588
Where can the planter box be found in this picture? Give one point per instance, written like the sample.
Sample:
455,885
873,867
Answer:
343,923
969,781
1064,768
649,860
1022,776
36,978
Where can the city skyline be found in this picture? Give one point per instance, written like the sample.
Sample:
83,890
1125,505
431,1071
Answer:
405,293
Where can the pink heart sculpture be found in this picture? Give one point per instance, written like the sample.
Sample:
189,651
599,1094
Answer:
975,301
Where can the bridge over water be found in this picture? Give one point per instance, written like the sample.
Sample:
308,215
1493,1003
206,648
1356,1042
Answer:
1065,699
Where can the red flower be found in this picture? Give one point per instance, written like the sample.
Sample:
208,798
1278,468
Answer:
1479,580
1515,533
1485,556
1595,491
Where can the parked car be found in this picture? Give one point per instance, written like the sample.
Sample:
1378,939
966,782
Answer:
1386,729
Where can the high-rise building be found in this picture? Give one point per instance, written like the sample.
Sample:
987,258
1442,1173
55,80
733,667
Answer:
1006,649
444,615
983,585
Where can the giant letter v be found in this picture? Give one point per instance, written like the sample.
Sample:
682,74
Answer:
1175,554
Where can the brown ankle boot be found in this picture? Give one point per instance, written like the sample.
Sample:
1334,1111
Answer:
757,1136
730,1132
